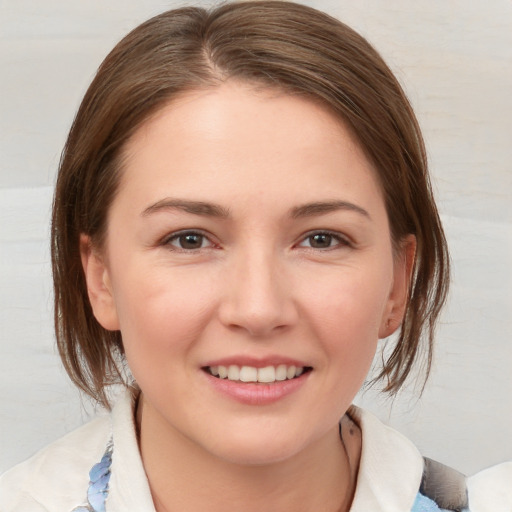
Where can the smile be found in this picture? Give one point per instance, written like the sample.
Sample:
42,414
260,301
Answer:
267,374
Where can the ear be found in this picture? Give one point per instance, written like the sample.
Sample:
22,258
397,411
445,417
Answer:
99,287
402,274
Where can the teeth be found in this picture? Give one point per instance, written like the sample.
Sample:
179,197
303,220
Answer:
268,374
281,372
233,372
248,374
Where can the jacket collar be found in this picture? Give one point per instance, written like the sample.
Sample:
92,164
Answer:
390,468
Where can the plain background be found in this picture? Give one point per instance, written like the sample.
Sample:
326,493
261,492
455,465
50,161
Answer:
454,59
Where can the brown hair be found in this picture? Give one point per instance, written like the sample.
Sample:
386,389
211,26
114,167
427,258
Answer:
276,44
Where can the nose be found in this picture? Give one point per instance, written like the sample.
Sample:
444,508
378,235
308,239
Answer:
258,297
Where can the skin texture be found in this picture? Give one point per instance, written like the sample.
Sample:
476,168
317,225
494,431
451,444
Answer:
257,286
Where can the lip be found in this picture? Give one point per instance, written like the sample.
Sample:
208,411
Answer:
256,362
250,393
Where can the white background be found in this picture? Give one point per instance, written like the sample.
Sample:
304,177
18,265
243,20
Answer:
454,57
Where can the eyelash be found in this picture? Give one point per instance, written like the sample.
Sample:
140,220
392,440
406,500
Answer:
340,240
183,234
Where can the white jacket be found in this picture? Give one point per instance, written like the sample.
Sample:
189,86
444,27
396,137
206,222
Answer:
56,479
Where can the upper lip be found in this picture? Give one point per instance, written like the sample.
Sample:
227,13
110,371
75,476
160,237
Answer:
256,362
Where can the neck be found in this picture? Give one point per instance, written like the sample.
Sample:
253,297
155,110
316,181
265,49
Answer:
183,476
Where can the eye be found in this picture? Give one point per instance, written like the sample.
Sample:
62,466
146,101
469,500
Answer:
324,240
188,241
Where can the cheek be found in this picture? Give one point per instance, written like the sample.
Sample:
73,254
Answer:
161,311
346,324
345,312
349,301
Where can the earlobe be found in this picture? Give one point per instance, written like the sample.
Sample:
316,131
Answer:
99,287
399,295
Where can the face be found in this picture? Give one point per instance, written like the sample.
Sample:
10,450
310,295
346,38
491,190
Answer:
248,237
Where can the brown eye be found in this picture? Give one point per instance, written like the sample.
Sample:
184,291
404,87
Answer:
324,240
320,241
189,241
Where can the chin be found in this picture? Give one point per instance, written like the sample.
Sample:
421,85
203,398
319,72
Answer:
254,449
261,454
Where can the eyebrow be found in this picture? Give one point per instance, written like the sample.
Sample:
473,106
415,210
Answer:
323,207
214,210
194,207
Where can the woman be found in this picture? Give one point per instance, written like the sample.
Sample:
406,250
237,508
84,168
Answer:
242,210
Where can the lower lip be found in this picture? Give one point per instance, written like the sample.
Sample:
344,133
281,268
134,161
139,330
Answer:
250,393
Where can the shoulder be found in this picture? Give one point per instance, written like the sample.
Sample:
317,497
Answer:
487,491
393,475
491,489
56,477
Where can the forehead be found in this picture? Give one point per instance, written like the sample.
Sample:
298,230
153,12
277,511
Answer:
238,138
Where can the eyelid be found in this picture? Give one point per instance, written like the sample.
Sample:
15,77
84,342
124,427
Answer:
167,239
343,240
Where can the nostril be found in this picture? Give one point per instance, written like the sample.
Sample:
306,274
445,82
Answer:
258,319
257,297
